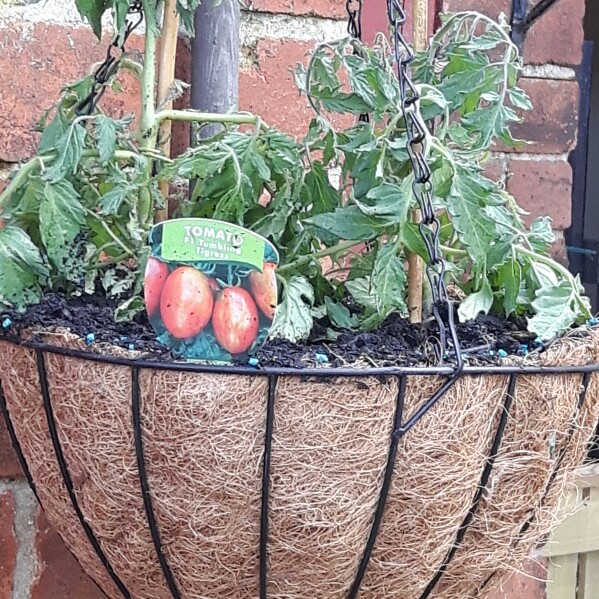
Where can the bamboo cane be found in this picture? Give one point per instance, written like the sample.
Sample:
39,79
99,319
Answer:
415,263
166,77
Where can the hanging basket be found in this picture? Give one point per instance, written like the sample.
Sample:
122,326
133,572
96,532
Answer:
178,480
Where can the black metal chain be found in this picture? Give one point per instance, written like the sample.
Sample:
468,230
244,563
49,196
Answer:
429,226
354,18
354,28
105,71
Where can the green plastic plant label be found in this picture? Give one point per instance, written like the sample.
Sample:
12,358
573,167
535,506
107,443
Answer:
210,289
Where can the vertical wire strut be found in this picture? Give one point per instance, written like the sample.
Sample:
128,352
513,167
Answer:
66,476
507,405
559,461
270,419
396,436
15,443
557,467
145,485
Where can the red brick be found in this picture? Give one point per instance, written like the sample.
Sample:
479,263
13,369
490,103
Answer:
36,61
8,544
543,189
334,9
527,585
491,8
494,170
269,90
60,575
552,124
9,465
557,36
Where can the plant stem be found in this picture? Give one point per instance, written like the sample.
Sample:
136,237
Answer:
148,123
453,251
148,80
193,116
166,76
108,230
345,245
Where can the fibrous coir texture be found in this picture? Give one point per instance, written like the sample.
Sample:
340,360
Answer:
203,438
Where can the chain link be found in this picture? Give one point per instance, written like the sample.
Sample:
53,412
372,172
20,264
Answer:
108,68
354,18
354,28
429,226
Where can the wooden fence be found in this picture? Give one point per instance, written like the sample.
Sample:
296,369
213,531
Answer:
573,550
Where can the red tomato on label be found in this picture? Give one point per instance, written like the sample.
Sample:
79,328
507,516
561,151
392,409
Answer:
264,289
156,275
214,284
235,320
186,302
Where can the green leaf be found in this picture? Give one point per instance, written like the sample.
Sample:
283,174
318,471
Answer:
350,223
509,280
388,282
318,190
519,98
476,303
111,202
293,320
61,219
22,270
187,8
469,192
388,200
553,310
70,148
339,315
410,236
92,10
129,309
541,235
361,292
53,133
106,129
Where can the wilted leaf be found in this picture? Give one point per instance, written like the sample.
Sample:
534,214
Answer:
61,219
22,270
476,303
293,319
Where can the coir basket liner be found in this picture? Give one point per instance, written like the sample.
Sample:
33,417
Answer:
157,477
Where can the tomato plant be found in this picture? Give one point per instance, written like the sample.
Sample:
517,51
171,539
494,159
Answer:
76,218
235,320
186,302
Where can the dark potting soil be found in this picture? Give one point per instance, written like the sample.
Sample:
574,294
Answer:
396,343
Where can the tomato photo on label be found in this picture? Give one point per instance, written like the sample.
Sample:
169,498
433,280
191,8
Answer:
186,302
156,275
235,320
264,289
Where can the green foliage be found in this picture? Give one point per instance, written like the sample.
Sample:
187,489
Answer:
337,204
93,11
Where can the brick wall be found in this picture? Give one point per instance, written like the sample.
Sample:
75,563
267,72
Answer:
43,46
